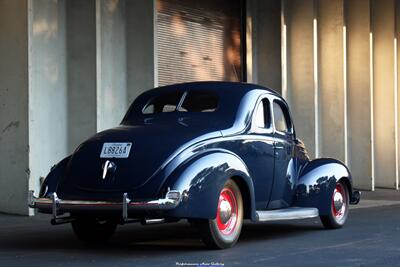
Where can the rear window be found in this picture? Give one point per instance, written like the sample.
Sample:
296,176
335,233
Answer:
162,104
187,102
199,102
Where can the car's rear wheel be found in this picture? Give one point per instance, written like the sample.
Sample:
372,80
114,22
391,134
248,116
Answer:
223,231
339,207
93,231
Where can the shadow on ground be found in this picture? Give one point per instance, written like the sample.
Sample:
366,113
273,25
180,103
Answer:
166,238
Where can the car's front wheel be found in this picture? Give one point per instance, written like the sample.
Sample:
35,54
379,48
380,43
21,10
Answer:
92,230
223,231
339,207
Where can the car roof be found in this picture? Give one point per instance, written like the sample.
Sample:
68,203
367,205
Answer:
230,96
217,86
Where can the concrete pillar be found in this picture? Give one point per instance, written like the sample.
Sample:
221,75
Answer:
331,87
264,24
81,70
47,88
140,42
301,78
397,66
359,90
383,29
14,161
111,63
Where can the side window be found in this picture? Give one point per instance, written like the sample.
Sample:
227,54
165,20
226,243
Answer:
263,114
281,117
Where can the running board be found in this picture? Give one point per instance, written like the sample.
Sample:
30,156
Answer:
286,214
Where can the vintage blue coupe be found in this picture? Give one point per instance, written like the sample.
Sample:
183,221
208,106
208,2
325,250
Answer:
214,153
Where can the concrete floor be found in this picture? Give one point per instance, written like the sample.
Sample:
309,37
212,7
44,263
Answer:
370,238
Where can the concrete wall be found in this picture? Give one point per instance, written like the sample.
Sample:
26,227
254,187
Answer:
383,23
326,74
397,73
342,83
81,70
331,88
111,63
300,59
14,148
63,76
358,29
264,20
48,87
140,56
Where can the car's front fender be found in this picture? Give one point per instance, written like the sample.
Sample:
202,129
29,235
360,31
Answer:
201,179
317,182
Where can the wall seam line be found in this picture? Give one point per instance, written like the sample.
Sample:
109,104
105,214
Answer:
371,77
345,104
315,72
396,99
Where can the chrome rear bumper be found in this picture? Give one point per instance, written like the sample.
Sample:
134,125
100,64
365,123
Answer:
57,206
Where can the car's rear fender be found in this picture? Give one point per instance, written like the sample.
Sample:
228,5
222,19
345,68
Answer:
201,179
317,182
52,180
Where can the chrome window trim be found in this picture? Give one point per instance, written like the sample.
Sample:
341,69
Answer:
259,130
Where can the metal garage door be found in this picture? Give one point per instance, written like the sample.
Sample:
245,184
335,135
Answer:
198,40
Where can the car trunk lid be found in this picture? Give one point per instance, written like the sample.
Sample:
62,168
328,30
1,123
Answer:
151,146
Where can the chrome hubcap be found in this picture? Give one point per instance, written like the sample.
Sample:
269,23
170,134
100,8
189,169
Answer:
337,200
225,211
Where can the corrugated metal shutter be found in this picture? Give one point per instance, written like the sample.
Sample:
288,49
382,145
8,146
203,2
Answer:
198,40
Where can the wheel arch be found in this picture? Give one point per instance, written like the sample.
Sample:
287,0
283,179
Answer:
248,206
201,180
317,182
348,184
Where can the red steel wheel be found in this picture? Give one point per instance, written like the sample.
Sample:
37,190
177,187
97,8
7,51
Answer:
339,207
227,211
224,231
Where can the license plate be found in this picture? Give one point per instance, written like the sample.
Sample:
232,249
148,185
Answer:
115,150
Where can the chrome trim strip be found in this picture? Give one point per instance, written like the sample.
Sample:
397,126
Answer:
286,214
